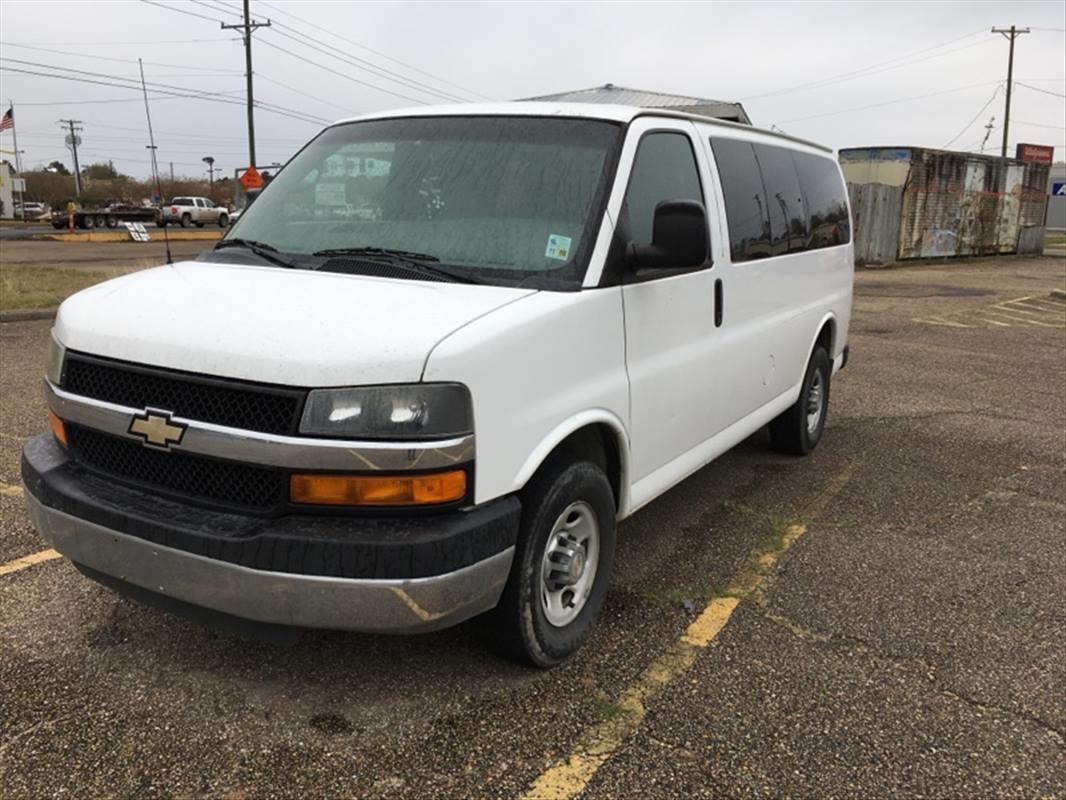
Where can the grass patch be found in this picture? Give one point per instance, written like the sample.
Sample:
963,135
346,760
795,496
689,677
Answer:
608,709
24,287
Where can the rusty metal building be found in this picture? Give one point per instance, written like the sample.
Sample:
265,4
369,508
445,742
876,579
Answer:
913,202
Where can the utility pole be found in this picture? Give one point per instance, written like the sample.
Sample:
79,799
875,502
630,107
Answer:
73,140
248,27
1012,34
210,161
18,162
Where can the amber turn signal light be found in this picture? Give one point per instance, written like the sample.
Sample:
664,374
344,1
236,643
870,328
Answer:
372,490
59,430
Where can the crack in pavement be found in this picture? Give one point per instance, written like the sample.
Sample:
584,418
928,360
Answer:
863,646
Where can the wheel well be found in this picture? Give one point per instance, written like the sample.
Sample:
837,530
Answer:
597,443
826,337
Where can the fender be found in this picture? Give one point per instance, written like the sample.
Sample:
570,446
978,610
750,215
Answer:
569,426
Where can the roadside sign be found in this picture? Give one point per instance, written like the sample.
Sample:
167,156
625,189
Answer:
251,179
1035,153
1058,189
137,231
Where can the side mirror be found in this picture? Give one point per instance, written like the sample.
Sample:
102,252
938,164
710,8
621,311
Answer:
678,240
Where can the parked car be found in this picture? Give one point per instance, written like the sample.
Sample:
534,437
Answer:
198,211
549,316
32,210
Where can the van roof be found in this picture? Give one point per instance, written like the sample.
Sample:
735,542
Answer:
604,111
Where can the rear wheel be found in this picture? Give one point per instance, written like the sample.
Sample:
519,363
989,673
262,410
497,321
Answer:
111,222
562,565
86,222
186,220
798,430
223,220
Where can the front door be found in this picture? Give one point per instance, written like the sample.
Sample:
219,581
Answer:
669,316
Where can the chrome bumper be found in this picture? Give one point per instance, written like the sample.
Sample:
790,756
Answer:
408,605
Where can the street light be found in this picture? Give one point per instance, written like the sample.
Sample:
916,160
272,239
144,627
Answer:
210,161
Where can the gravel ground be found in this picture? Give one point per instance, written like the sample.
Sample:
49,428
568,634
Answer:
911,643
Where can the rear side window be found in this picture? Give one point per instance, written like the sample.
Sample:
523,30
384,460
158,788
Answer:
788,214
664,169
827,200
182,201
745,199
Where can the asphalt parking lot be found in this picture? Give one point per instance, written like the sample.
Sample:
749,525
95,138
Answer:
886,617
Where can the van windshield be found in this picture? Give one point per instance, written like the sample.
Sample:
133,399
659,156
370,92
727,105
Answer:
507,200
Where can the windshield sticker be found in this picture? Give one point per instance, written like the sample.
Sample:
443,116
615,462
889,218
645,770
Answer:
558,247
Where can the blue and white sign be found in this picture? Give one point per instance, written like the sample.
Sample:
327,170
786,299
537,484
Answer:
1058,189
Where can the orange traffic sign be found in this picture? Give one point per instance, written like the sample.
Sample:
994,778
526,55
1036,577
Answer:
251,179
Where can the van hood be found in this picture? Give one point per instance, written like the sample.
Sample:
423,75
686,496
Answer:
266,324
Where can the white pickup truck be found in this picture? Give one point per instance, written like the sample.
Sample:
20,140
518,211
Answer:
397,421
198,211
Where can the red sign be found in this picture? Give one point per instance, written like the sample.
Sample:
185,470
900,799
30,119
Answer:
251,179
1036,153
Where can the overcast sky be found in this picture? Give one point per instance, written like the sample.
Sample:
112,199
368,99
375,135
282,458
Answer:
927,68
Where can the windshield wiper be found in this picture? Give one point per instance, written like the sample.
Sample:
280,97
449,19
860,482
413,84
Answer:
264,251
375,251
416,262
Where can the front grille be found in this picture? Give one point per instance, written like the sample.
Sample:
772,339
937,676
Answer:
235,404
225,483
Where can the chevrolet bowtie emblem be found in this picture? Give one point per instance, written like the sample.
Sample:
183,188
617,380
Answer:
156,429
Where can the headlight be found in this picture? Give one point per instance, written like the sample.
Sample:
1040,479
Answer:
400,411
56,353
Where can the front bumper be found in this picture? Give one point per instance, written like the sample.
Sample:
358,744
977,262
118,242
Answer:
372,574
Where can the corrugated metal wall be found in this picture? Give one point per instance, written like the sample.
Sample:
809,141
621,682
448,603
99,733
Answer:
950,204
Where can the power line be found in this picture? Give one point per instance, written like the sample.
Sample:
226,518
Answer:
341,74
302,93
181,11
882,66
112,58
890,102
359,63
368,49
1038,89
1040,125
975,116
308,118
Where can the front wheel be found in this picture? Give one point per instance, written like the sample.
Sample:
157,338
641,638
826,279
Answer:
562,565
223,220
798,430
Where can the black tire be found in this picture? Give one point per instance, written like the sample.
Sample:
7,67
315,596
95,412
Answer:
186,220
791,432
223,220
111,222
85,222
518,627
100,220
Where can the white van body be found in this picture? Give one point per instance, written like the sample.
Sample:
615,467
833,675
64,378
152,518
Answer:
670,371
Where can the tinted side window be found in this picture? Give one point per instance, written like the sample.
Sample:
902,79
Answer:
181,201
664,169
788,214
745,200
827,200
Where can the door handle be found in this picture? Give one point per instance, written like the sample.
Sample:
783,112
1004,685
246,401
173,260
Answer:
718,303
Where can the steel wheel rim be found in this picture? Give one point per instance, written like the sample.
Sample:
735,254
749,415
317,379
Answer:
568,569
815,403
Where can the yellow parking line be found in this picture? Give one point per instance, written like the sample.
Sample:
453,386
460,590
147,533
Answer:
28,561
567,778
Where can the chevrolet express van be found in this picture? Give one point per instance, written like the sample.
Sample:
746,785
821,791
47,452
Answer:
437,361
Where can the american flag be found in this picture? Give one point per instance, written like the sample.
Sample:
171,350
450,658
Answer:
8,120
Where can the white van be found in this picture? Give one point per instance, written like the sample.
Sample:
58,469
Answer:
541,317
